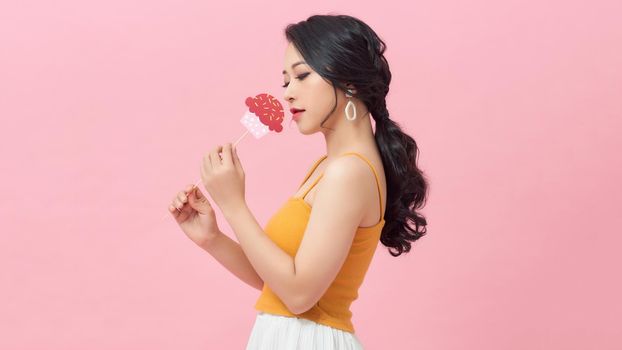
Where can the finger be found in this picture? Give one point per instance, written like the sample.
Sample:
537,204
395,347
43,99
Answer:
197,194
226,154
178,203
215,157
219,151
193,196
236,160
189,188
205,167
174,206
174,211
210,160
182,197
199,197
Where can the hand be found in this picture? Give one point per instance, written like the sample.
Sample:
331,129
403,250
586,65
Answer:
196,218
223,177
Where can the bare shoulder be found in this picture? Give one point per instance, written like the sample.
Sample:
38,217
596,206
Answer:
351,175
349,167
359,182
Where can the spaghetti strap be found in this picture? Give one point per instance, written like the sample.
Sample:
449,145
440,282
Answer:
312,185
375,175
343,154
317,162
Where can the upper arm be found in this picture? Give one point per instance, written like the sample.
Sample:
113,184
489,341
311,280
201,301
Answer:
338,208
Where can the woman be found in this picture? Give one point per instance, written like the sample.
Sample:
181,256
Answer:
313,254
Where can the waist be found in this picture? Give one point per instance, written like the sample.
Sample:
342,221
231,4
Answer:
340,319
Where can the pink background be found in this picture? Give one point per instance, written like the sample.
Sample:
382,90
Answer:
108,107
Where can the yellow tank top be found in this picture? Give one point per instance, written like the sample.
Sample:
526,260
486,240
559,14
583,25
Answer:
286,228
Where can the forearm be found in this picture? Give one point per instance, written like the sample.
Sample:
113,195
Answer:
272,264
229,254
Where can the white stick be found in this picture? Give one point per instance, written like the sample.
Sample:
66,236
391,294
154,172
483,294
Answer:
195,185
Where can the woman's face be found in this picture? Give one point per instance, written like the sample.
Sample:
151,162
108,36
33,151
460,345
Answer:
305,89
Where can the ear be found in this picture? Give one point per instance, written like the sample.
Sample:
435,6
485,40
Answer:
351,87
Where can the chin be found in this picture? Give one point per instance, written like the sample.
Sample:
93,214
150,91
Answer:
307,125
303,127
305,131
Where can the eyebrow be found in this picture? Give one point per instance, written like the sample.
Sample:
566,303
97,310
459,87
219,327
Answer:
295,64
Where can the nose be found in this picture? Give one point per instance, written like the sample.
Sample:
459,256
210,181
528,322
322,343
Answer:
287,96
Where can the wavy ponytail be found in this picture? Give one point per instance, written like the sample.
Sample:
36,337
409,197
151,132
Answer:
343,49
406,186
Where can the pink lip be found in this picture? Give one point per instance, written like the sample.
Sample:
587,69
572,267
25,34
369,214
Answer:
296,115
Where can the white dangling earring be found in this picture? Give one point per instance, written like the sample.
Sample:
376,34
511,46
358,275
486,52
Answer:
350,105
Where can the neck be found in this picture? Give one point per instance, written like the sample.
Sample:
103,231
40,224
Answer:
349,135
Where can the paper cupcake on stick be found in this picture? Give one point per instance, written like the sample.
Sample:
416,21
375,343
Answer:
264,114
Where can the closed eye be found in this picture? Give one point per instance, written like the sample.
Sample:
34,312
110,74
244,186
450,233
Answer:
300,77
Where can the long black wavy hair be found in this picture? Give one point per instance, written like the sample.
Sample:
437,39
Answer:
343,49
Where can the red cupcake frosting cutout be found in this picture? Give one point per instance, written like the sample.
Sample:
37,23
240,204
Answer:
268,109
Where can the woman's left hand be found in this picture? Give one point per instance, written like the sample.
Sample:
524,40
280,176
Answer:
223,177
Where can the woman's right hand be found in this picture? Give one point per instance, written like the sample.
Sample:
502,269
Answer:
196,217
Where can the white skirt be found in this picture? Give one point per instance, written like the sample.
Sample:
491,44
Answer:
276,332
